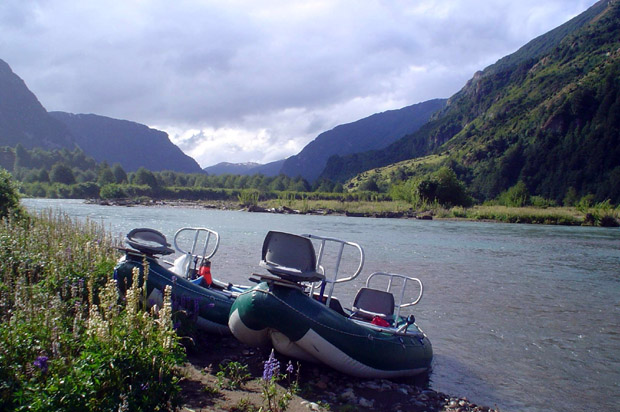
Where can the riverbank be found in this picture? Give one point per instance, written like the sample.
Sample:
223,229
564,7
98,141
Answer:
565,216
321,388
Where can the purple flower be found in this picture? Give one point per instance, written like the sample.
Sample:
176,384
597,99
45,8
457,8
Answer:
41,363
271,368
144,386
289,368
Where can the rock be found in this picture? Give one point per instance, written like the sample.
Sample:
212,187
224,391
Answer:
370,385
366,403
314,406
348,395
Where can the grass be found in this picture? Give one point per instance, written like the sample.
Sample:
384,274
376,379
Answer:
595,215
549,216
336,206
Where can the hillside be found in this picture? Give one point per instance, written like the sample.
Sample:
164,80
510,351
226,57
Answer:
547,115
373,132
24,120
131,144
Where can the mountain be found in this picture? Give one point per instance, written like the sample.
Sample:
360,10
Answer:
373,132
224,168
547,115
24,120
131,144
268,169
250,168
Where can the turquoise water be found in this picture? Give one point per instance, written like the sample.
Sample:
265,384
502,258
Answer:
523,317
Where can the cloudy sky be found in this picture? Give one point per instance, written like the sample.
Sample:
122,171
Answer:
253,80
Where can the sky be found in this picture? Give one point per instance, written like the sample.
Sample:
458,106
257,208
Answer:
255,81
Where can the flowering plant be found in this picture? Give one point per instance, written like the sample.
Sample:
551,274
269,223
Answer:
276,400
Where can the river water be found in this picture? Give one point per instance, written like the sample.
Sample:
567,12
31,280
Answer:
523,317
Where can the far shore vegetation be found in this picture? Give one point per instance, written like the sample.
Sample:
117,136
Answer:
436,192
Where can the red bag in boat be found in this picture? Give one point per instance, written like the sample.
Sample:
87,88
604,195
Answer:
205,272
379,321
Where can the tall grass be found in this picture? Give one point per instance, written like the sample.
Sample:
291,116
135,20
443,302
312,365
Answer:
549,216
66,340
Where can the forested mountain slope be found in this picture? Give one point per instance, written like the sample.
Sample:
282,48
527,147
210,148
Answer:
547,115
24,120
131,144
373,132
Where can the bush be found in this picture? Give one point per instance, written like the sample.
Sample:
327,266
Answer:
517,196
112,191
9,195
442,187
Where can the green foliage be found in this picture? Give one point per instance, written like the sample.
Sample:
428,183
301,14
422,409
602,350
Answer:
248,197
9,196
119,173
516,196
112,191
144,177
442,187
105,177
235,373
245,405
600,214
61,173
65,341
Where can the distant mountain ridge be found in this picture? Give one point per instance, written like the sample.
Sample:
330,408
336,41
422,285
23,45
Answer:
250,168
373,132
131,144
547,115
23,120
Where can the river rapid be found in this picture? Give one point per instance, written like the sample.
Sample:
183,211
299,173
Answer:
522,317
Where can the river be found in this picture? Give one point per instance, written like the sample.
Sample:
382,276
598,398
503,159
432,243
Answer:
522,317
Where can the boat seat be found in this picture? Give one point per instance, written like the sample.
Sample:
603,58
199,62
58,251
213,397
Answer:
148,241
369,303
290,257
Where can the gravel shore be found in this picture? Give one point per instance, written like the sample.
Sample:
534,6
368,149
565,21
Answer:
321,388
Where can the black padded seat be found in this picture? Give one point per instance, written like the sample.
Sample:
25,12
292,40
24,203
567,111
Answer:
290,257
369,303
148,241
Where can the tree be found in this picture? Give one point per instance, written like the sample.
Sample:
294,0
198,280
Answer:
9,197
517,196
105,177
61,173
119,173
144,177
22,157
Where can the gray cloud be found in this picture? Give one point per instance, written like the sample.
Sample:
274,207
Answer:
253,81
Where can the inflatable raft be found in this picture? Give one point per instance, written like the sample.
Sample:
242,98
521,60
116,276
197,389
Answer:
293,309
205,300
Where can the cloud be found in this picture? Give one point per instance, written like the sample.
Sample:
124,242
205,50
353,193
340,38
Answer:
256,81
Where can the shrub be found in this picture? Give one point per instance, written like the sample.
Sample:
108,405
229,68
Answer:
112,191
517,196
9,195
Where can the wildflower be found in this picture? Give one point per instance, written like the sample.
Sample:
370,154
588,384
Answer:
41,363
289,368
271,368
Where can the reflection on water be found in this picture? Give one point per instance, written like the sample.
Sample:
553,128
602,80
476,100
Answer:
522,317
